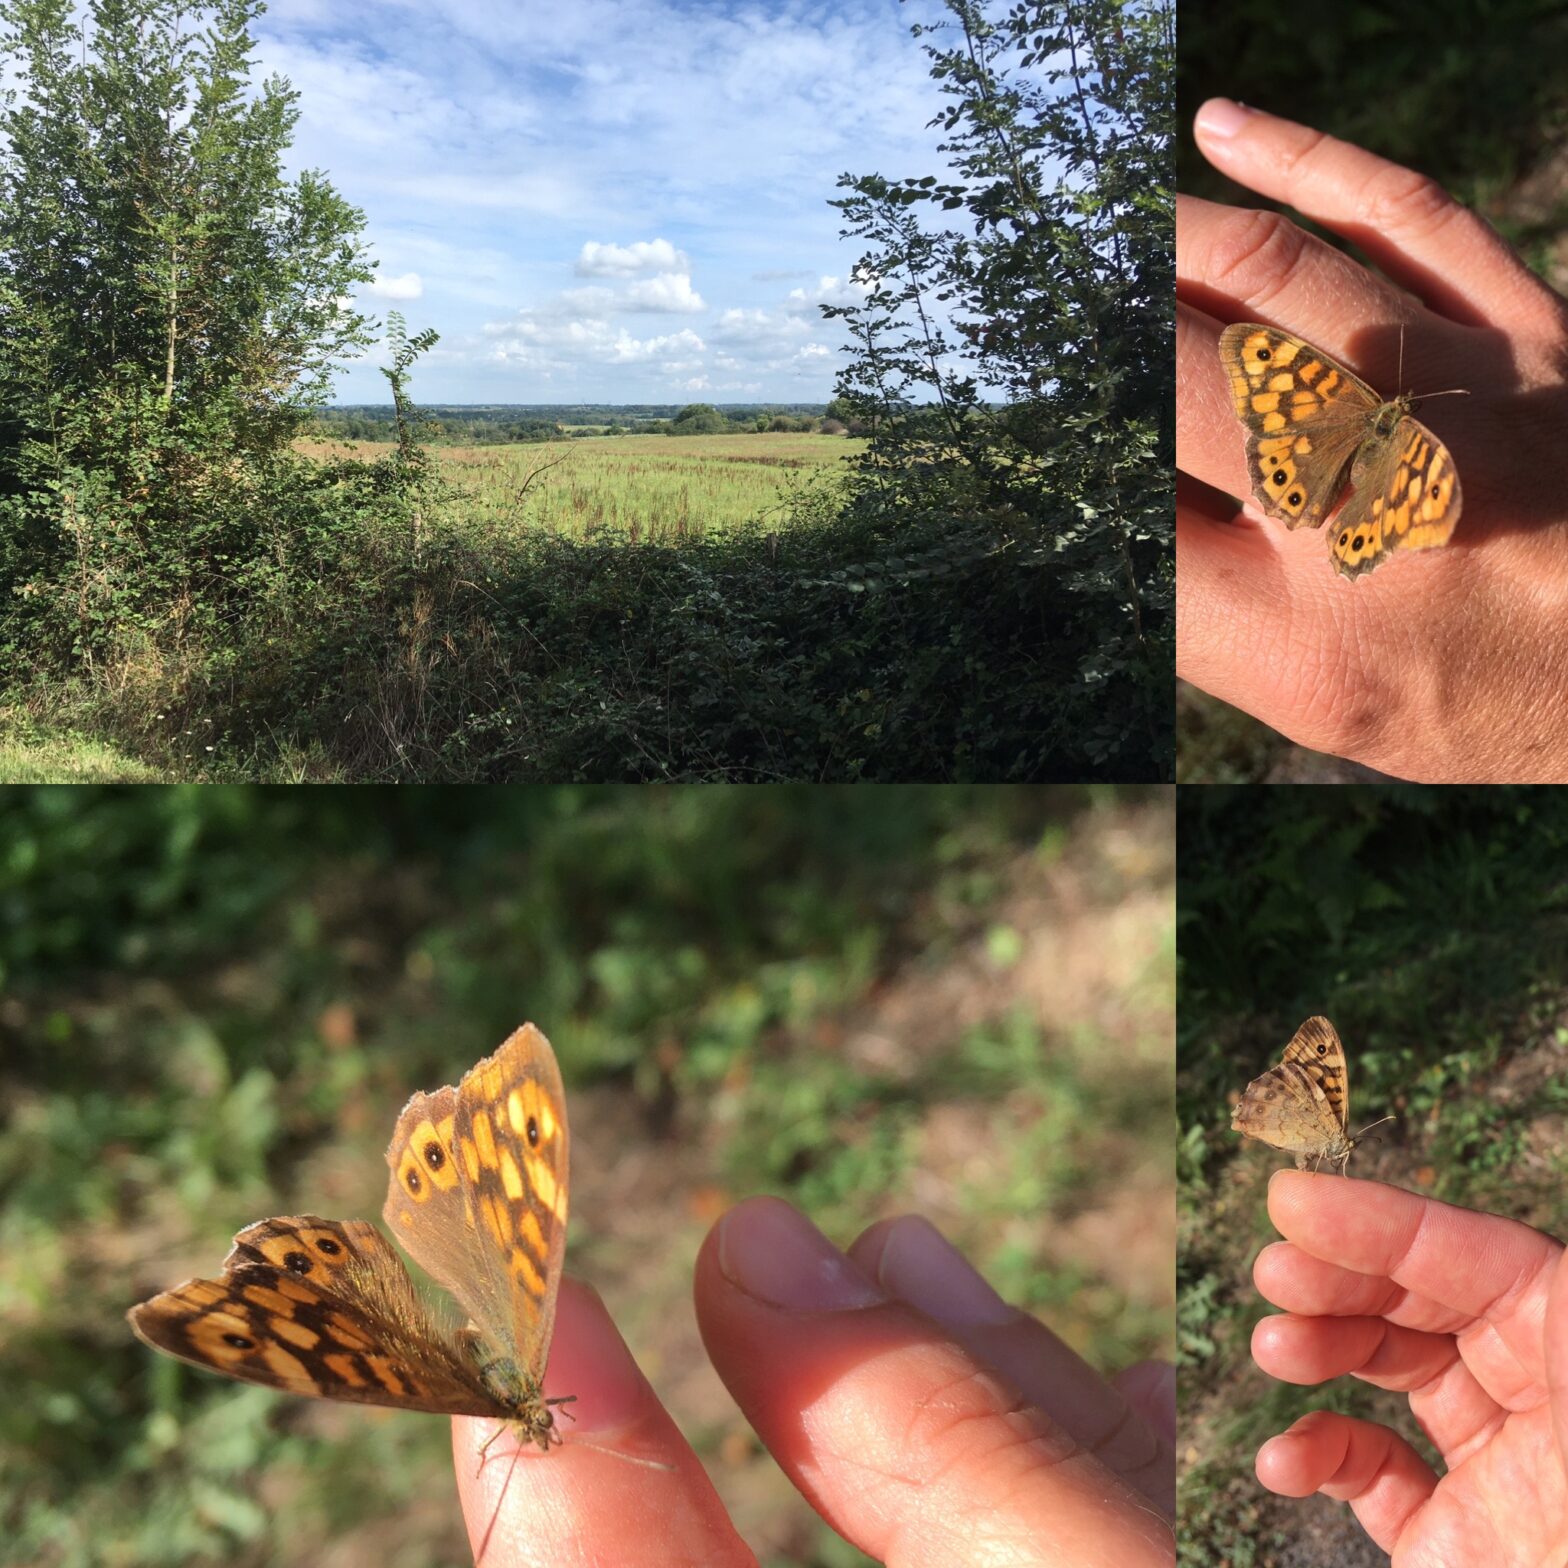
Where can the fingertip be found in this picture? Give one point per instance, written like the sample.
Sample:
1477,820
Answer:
1280,1466
1219,119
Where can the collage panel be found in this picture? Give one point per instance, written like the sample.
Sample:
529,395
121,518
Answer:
622,391
1374,1364
1372,335
608,1176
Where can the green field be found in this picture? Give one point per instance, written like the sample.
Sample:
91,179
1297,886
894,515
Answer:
658,488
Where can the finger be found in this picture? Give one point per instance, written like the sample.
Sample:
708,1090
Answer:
912,1261
1446,1397
1237,264
1313,1350
1254,630
1488,1269
1295,1281
898,1437
622,1462
1407,223
1379,1474
1150,1388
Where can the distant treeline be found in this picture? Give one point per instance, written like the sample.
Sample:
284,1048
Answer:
488,424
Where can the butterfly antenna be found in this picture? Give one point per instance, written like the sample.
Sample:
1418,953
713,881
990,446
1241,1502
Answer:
1451,392
1370,1125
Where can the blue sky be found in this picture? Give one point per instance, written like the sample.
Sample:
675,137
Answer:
616,201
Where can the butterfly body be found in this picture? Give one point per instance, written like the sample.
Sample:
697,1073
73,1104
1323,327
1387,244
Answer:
478,1197
1302,1104
1312,425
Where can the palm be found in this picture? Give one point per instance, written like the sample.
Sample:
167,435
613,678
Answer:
1502,1503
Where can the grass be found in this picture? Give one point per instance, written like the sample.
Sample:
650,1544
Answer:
955,1001
657,488
30,755
1432,929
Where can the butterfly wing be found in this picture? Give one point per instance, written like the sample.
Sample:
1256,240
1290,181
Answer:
1405,496
1305,416
1317,1058
478,1193
317,1307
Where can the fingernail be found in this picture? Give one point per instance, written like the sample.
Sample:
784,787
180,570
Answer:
919,1265
1220,117
771,1251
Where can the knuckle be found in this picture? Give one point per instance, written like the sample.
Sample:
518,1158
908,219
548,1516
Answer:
1403,199
1254,253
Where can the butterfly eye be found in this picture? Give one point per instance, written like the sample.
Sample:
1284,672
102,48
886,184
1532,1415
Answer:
435,1156
1294,498
328,1246
532,1131
239,1342
1265,354
297,1263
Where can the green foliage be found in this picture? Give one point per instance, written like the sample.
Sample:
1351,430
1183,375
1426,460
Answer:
1059,290
699,419
170,311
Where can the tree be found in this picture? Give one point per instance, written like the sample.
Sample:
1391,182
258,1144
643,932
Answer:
170,306
1016,370
699,419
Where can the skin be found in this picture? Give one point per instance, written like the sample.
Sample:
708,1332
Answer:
924,1419
1466,1313
1445,665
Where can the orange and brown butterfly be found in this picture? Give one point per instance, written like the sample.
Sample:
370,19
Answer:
477,1196
1302,1106
1311,424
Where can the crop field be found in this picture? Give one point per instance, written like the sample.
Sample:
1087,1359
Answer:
658,488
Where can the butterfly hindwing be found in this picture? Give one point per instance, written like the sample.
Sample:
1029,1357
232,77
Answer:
318,1307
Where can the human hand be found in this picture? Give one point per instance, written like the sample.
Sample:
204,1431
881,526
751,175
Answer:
1446,665
1465,1312
924,1420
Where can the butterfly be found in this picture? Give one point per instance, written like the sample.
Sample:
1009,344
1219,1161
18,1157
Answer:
1310,423
477,1196
1301,1106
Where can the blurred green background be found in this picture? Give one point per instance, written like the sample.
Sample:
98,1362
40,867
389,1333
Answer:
1431,927
214,1001
1473,95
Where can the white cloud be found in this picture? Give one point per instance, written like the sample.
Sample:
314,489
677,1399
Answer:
408,286
670,291
833,291
625,261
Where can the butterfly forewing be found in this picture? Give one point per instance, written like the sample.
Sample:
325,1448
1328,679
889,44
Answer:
478,1194
1305,418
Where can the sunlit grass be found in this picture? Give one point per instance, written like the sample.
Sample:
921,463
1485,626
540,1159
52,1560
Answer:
658,488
